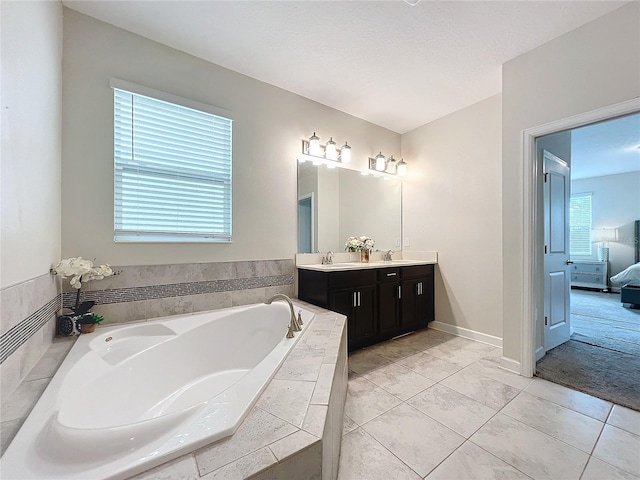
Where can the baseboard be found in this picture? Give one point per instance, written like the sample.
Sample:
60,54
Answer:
466,333
539,353
511,365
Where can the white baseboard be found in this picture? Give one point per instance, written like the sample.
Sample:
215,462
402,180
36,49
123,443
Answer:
511,365
466,333
539,353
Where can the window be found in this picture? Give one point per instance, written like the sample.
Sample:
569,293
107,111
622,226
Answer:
172,170
580,224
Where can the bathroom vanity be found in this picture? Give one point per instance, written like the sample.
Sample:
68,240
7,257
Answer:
381,300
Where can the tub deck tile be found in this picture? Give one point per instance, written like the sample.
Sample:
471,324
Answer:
259,429
244,467
292,444
315,419
301,364
322,390
184,468
287,399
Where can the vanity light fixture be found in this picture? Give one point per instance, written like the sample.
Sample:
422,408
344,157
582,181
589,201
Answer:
328,154
388,166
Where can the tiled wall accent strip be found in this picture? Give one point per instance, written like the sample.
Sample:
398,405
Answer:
13,339
134,294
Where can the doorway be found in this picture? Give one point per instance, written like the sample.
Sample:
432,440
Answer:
606,158
533,235
305,224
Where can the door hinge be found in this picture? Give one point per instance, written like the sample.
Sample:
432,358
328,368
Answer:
545,321
545,249
545,177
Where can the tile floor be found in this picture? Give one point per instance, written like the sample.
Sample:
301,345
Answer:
432,405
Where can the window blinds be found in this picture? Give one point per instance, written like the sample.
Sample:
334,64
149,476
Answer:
580,224
172,172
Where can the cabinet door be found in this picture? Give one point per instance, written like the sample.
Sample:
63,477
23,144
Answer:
417,306
410,306
426,302
389,308
359,305
365,315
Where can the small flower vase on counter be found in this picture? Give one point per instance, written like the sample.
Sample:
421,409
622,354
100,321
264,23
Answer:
364,256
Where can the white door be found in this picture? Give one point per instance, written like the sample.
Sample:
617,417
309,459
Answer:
557,191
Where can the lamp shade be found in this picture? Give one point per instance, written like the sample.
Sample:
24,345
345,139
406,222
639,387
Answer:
314,145
401,168
381,163
345,153
605,234
330,150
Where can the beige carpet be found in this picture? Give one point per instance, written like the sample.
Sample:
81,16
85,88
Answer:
603,356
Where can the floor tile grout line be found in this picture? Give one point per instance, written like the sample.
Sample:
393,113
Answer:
564,406
552,436
399,459
520,390
495,456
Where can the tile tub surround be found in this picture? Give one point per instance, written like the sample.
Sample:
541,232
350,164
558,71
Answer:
295,428
137,293
414,412
151,291
27,327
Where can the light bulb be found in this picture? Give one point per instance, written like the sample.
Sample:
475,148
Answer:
381,164
401,168
330,150
314,145
345,153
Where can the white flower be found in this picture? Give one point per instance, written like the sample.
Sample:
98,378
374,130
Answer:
80,270
359,243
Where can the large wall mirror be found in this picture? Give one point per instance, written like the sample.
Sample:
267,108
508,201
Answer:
336,203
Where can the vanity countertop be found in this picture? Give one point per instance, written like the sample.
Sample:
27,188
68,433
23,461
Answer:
342,266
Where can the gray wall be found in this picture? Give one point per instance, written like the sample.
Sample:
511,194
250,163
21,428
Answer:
588,68
452,204
30,193
615,202
269,124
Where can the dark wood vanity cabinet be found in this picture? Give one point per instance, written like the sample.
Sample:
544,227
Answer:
380,303
417,303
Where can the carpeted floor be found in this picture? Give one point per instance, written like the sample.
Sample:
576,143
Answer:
602,358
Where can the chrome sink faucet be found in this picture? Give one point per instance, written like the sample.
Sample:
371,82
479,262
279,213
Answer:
328,258
387,256
294,326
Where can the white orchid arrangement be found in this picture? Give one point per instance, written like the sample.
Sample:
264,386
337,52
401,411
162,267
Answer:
357,244
81,271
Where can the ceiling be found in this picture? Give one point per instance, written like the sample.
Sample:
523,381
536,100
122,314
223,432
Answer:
392,64
606,148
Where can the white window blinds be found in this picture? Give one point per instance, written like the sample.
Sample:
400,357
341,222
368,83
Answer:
580,224
172,172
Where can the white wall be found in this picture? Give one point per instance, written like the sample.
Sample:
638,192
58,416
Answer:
452,204
269,124
615,202
591,67
31,139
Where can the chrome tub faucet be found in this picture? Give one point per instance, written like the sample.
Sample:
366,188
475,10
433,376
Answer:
294,326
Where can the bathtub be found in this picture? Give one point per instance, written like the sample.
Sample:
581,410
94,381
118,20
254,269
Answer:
128,398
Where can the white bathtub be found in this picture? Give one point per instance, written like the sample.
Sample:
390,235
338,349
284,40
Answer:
129,398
